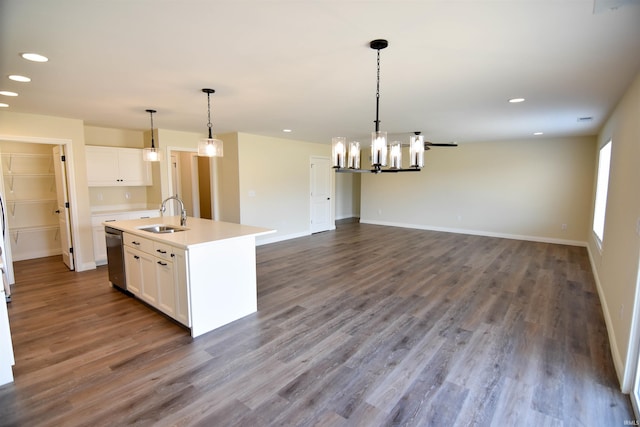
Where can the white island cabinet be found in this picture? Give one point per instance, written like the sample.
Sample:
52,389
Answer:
203,276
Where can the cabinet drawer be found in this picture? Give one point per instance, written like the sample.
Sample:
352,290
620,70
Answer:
162,250
140,243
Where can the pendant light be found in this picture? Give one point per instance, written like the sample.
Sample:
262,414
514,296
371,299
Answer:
209,147
151,154
344,161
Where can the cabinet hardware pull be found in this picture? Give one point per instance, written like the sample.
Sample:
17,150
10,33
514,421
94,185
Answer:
161,251
173,255
136,257
162,263
136,243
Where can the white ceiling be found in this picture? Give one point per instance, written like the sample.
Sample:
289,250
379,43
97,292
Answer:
449,69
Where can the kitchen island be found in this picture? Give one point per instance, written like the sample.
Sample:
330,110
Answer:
202,274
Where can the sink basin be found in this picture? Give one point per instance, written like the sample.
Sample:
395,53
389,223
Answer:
161,228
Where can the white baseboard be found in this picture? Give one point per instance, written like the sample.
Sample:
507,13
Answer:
264,240
624,380
478,233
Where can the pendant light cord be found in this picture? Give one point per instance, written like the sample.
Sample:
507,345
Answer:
377,121
209,114
152,141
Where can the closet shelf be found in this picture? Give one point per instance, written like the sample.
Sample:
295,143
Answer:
35,228
31,201
29,174
30,157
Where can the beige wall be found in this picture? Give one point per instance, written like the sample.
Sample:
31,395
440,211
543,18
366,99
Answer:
228,185
108,137
616,266
275,183
36,128
520,189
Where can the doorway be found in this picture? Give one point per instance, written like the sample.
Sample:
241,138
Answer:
193,181
30,218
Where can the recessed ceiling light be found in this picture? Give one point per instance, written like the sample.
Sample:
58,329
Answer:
538,133
18,78
287,130
3,105
7,93
35,57
516,100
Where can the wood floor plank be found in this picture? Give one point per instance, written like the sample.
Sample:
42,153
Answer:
362,326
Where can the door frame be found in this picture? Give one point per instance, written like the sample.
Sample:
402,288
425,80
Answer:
71,181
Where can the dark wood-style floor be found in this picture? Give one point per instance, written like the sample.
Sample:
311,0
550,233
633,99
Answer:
367,325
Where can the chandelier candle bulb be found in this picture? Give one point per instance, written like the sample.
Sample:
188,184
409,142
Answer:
354,155
338,151
396,155
379,148
416,151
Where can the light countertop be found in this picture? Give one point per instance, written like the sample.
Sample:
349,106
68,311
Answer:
198,231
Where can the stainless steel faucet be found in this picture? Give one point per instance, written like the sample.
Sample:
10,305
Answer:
183,211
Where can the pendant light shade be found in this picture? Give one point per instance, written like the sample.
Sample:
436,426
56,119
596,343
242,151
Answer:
416,151
151,154
339,151
379,148
354,155
395,155
210,147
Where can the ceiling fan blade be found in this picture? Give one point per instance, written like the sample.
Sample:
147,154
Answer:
440,144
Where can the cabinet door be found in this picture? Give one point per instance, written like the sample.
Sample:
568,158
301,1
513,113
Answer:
133,170
166,289
112,167
181,285
149,290
133,270
102,166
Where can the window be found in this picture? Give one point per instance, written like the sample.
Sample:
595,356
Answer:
602,185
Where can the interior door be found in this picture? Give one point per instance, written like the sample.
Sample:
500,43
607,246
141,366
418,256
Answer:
63,206
320,194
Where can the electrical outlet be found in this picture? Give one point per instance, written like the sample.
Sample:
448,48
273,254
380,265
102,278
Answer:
621,314
564,227
379,211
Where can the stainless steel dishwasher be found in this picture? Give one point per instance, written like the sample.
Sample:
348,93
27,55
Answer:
115,258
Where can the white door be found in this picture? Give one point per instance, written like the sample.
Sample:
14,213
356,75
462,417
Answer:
320,194
63,206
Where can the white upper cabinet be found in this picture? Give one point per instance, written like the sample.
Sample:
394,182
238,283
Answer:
114,166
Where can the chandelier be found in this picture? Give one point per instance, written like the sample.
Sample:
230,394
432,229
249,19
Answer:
346,157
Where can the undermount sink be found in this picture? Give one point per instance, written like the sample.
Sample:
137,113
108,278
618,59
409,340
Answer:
161,228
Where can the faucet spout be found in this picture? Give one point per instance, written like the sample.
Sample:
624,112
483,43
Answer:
183,211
